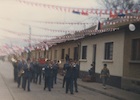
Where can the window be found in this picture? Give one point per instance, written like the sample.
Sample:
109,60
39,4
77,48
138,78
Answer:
62,53
108,51
55,54
84,52
39,55
136,49
51,54
75,53
69,51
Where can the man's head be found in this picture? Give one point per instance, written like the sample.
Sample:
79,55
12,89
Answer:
28,60
105,65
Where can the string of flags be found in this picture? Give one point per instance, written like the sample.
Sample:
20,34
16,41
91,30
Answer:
81,11
69,23
77,33
8,49
17,49
126,19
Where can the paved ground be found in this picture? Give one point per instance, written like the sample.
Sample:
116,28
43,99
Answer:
9,90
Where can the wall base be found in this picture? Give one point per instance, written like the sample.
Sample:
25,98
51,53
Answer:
131,84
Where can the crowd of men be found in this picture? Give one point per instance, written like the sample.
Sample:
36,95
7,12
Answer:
35,71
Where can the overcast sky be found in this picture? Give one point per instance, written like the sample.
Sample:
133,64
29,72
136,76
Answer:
16,16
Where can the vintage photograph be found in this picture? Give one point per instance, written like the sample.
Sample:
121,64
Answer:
69,49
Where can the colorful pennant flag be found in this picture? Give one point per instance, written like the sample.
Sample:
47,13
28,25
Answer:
80,13
76,12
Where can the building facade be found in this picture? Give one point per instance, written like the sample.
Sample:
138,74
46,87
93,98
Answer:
120,50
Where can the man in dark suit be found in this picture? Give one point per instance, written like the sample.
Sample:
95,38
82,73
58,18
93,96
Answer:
48,76
55,71
28,74
20,67
75,74
64,72
69,78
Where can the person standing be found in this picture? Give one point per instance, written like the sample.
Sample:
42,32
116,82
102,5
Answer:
37,71
75,75
64,72
15,65
67,58
20,67
28,74
105,74
55,71
69,78
48,76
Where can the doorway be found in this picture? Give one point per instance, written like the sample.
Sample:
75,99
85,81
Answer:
94,57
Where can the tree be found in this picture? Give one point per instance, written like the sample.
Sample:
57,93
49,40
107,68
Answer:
117,4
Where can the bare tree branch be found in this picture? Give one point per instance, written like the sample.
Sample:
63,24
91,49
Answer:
117,4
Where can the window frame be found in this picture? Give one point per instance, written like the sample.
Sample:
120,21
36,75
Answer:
135,54
62,53
84,49
108,51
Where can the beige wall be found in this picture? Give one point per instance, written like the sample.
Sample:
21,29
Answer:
116,65
131,68
59,47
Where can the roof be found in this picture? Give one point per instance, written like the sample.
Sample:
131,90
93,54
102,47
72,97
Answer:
108,26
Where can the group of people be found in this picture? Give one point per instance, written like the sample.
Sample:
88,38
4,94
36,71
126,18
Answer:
29,71
71,72
32,71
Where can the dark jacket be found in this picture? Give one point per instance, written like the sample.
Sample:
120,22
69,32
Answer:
69,72
28,71
48,71
76,71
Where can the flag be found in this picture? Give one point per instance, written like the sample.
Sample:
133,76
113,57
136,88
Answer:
121,15
98,27
113,14
84,13
80,13
76,12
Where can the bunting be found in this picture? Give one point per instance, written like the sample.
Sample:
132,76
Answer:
82,11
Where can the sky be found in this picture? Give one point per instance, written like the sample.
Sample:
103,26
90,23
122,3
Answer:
19,17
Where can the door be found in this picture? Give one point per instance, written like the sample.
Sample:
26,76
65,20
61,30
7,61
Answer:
94,57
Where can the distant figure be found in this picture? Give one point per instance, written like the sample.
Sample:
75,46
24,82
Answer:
69,78
48,76
105,74
28,74
64,72
75,68
15,65
55,71
20,67
67,58
92,71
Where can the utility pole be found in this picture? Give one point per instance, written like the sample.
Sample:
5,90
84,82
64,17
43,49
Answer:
29,52
29,36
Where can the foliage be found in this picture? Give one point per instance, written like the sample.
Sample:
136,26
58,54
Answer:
117,4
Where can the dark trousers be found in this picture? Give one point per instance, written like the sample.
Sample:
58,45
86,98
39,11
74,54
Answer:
19,81
75,84
27,80
69,84
48,83
40,76
64,80
36,77
23,81
33,77
15,76
55,78
104,81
